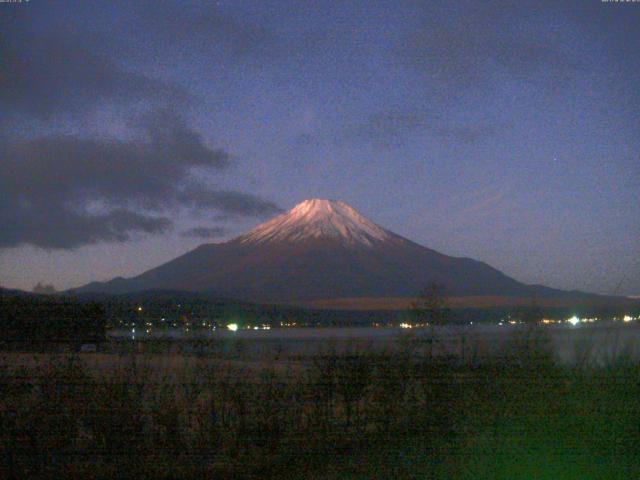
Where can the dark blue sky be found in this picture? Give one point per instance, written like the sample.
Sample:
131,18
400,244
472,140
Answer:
504,131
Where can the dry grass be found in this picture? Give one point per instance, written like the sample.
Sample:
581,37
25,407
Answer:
396,413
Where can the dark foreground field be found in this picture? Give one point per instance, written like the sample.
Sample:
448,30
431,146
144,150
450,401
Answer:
400,412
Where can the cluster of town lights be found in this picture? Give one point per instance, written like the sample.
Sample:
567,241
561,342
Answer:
234,327
574,320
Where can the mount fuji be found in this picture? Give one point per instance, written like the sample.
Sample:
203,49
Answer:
322,250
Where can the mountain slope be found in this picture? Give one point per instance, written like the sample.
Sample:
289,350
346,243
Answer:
320,249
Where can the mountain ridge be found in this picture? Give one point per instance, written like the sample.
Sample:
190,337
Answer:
318,250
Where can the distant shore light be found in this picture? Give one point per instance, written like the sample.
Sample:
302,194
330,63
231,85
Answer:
574,320
233,327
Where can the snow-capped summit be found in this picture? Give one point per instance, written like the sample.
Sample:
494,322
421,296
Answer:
315,219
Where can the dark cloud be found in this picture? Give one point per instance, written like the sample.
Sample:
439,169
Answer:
204,232
68,191
229,203
53,63
60,226
45,75
65,191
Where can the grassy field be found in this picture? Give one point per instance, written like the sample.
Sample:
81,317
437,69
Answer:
401,412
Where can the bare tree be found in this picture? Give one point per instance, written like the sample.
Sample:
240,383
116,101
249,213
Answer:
44,289
532,315
431,307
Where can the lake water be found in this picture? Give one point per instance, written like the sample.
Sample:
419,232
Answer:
600,342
